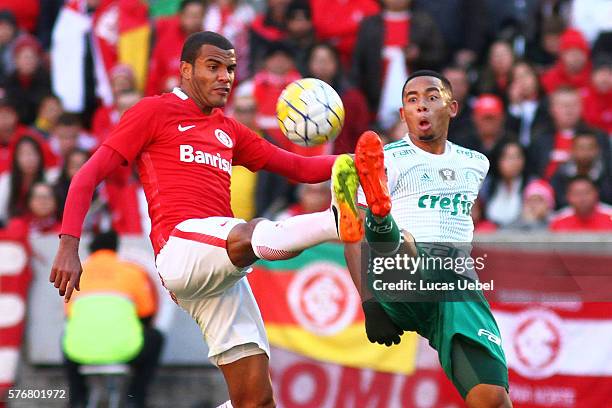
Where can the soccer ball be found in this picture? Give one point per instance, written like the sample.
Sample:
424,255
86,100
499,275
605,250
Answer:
310,112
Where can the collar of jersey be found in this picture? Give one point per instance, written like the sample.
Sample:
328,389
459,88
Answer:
183,96
447,149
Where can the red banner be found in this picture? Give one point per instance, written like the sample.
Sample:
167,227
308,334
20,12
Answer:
559,352
15,277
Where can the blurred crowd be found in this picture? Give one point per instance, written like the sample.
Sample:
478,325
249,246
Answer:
533,79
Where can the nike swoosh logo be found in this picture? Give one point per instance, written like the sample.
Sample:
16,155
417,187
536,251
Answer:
184,128
223,225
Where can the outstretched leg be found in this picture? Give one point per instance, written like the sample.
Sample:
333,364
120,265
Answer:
381,231
275,240
478,376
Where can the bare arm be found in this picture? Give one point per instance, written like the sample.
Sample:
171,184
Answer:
66,270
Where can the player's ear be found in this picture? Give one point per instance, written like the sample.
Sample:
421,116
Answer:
454,108
401,113
186,70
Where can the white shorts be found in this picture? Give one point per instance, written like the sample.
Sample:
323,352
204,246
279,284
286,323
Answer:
195,267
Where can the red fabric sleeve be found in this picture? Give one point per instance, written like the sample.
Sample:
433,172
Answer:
302,169
135,130
103,162
250,150
254,152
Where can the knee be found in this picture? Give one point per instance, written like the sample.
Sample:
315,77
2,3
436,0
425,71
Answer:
257,399
488,396
239,248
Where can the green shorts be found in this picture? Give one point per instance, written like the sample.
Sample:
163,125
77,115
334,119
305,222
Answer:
467,316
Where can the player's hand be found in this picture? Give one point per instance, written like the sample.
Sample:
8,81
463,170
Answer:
379,326
66,270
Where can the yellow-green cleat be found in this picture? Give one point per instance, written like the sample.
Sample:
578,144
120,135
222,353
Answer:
344,184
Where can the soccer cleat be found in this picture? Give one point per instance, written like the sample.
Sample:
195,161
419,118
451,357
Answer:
370,163
344,184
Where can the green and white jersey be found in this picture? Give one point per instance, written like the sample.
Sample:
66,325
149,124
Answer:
433,194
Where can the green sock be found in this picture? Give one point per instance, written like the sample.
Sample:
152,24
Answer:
382,234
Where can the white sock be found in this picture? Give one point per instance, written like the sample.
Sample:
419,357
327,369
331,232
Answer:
274,240
226,404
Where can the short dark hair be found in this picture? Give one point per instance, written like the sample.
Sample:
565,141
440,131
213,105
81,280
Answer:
580,177
69,119
431,73
586,134
104,240
185,3
192,45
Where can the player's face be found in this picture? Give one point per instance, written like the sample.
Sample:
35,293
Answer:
211,77
427,107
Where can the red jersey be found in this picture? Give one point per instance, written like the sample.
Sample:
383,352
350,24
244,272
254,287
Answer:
567,220
562,147
598,109
184,158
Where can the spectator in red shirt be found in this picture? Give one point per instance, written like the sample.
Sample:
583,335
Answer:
324,64
170,35
585,213
105,118
121,188
42,214
573,68
10,133
278,71
68,135
552,147
26,12
488,117
598,97
27,168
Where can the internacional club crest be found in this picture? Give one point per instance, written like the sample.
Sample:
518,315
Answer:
224,138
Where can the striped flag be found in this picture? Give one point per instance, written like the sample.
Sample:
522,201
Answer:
134,36
311,307
15,277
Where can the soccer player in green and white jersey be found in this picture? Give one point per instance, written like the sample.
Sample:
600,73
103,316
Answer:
425,196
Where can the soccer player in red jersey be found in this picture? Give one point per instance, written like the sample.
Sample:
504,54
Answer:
185,147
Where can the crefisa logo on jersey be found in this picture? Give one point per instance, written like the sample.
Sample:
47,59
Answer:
448,175
224,138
